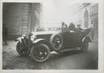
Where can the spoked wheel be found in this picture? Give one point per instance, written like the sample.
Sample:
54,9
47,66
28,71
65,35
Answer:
56,42
22,49
40,52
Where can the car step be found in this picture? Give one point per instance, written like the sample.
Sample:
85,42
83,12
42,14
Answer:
69,49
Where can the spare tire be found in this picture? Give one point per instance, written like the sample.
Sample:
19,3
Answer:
56,41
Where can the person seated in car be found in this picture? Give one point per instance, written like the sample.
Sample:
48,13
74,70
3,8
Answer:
76,29
72,27
64,27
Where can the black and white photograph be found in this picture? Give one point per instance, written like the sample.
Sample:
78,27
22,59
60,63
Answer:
50,35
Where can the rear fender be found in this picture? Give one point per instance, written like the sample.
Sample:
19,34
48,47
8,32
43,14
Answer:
86,39
85,32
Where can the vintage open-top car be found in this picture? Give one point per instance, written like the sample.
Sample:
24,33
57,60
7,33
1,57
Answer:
38,45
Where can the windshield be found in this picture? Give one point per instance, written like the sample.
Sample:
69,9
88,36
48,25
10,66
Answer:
48,29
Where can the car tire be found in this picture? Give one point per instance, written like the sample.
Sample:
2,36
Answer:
40,52
22,49
53,42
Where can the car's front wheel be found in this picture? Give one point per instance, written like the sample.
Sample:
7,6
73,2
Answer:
40,52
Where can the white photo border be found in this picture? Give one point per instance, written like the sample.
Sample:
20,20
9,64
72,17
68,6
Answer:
100,41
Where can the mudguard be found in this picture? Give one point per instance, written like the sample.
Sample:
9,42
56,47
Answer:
85,32
87,39
37,40
40,40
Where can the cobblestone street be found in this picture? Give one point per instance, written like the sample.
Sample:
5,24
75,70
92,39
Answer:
68,60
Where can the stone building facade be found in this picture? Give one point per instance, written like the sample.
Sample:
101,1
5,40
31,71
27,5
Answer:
20,18
92,19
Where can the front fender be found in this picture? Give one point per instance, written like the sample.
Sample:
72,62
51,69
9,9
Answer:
38,40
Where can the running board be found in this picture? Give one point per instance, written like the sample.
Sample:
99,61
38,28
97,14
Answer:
69,49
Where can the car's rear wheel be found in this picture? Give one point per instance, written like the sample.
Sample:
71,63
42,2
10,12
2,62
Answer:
40,52
22,49
56,42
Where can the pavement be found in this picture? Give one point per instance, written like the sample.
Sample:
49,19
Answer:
67,60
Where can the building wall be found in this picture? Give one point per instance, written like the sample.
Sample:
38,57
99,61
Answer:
18,17
35,15
86,18
94,15
93,19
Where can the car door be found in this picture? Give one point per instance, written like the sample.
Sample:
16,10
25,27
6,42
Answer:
71,39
